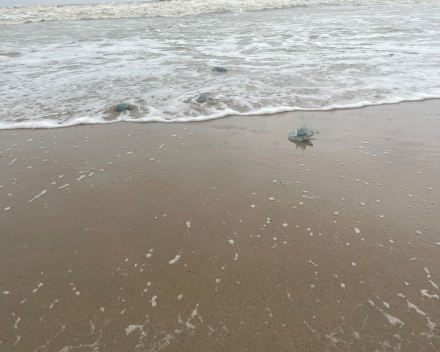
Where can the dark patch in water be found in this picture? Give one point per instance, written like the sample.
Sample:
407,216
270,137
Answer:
10,54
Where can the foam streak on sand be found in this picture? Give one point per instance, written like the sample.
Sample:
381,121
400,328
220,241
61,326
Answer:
175,259
43,192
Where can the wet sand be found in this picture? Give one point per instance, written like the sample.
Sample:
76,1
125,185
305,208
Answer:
223,235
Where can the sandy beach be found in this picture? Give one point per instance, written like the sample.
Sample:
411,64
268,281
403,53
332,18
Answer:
223,235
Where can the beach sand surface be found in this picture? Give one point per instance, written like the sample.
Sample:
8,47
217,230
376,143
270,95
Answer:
224,235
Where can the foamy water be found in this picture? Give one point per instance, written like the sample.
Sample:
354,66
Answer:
174,8
64,73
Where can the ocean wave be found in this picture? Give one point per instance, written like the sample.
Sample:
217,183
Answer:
174,8
88,120
59,74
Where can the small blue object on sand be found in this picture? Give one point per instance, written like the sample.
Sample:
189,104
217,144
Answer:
123,107
220,69
301,134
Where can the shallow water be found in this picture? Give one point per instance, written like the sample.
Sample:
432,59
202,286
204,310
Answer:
69,72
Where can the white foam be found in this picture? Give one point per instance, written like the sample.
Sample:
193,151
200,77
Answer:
39,195
140,62
433,284
129,329
231,241
417,309
177,257
16,322
176,8
356,230
153,301
426,294
393,320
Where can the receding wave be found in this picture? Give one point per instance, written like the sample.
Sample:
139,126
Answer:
175,8
57,74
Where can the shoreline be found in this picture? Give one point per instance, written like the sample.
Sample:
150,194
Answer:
231,238
281,110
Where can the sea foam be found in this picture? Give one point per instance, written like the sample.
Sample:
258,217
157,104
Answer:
175,8
65,73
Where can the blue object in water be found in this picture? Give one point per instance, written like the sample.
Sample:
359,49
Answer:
202,98
123,107
220,69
